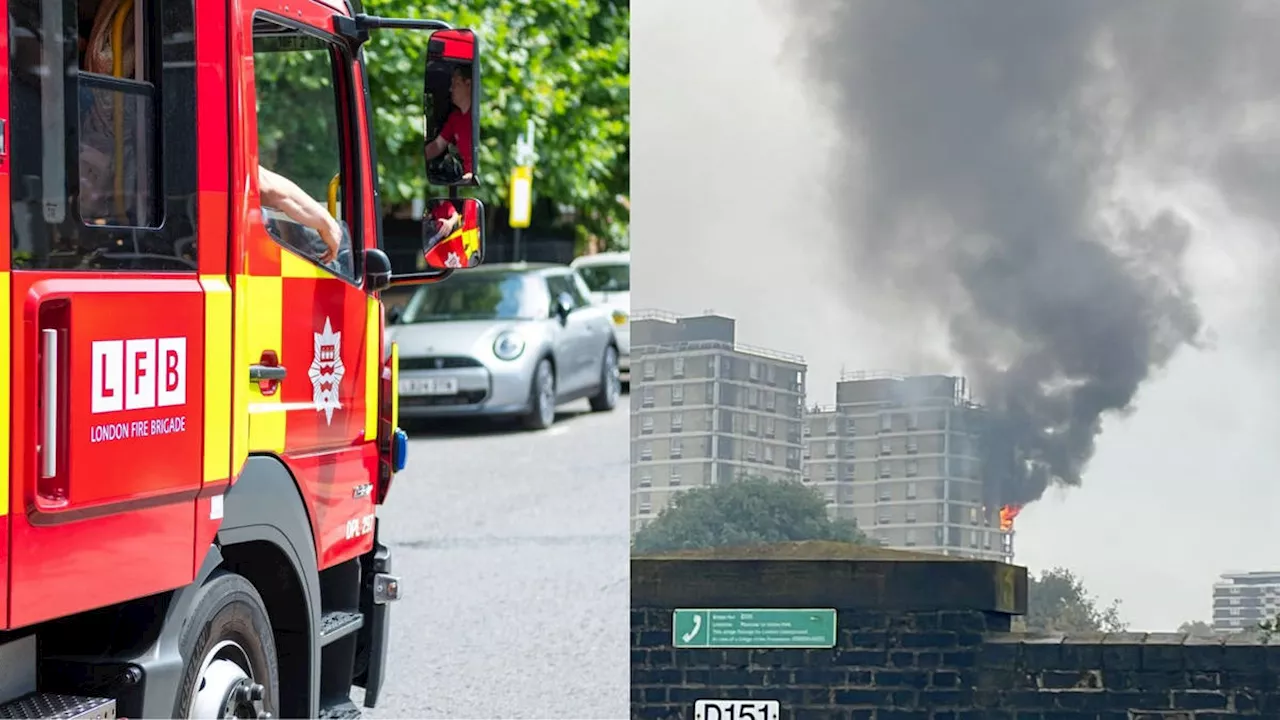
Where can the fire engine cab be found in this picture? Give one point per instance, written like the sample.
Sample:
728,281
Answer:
201,406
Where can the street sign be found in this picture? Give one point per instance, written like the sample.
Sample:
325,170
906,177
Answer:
799,628
521,195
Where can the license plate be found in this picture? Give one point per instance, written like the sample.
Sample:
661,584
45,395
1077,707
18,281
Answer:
735,710
428,386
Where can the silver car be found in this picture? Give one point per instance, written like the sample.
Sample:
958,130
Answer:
512,340
608,275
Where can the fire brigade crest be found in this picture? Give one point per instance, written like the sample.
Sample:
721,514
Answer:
453,261
326,371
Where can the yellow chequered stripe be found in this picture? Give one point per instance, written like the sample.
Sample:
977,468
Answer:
5,320
240,388
296,266
263,313
217,377
373,367
395,386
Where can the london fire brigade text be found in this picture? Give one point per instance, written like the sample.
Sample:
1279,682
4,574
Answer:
138,428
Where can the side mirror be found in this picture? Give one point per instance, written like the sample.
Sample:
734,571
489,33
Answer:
377,270
450,105
452,239
564,305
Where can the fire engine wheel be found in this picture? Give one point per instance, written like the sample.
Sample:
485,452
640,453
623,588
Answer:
230,668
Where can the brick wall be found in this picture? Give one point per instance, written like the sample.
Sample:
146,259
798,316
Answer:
926,639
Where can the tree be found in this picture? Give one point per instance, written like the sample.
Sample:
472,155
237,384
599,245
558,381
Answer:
749,511
1058,602
1199,628
564,64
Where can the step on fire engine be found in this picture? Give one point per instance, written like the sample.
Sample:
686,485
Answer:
201,403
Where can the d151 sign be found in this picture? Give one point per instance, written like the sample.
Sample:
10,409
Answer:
139,374
736,710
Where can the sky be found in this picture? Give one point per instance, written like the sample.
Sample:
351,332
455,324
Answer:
746,188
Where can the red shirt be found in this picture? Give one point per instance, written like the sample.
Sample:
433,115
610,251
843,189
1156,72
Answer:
457,130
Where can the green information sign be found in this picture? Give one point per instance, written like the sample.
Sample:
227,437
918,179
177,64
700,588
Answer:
754,628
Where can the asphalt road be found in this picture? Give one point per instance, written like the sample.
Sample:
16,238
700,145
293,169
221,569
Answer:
513,551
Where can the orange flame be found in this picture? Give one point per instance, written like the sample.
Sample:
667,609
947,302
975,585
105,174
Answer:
1007,514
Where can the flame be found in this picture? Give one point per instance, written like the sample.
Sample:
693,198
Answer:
1007,514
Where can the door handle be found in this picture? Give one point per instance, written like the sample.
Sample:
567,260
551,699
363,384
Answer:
259,373
49,404
267,372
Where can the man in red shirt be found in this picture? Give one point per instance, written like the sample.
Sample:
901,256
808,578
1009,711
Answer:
457,126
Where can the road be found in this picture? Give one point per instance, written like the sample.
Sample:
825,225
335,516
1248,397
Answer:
513,550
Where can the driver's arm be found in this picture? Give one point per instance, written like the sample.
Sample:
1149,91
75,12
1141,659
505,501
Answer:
281,193
436,147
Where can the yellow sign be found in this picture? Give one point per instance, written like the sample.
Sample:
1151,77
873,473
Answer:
521,196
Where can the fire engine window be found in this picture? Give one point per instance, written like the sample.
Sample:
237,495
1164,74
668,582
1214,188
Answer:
295,69
102,95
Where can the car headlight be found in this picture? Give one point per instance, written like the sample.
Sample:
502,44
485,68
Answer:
619,317
508,346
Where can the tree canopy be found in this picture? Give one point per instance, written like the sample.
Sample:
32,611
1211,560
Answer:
1199,628
564,64
750,511
1058,602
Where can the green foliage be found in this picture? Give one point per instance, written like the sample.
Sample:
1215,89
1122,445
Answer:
750,511
1058,602
565,64
1198,628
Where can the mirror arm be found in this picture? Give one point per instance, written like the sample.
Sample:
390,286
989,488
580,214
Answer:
373,22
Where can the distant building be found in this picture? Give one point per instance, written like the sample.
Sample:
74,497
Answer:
1242,600
706,409
902,457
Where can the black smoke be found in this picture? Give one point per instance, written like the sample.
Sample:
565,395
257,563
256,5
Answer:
981,142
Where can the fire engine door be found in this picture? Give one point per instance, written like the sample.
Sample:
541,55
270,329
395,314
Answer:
313,331
106,311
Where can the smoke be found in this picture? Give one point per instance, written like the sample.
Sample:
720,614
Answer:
985,145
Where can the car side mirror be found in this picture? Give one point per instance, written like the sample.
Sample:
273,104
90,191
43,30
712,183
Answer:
451,108
564,305
393,314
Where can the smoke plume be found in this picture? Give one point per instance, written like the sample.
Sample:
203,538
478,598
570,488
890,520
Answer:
984,142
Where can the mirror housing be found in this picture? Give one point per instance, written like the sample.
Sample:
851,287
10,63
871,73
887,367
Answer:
377,270
564,306
452,239
451,131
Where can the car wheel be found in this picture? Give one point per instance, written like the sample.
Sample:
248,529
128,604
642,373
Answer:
610,382
542,397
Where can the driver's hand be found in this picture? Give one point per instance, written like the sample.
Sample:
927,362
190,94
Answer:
331,234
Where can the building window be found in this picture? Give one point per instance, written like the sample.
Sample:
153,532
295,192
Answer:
913,421
973,516
831,448
648,370
753,424
753,397
771,372
674,480
911,516
85,198
830,473
911,491
831,426
677,395
883,519
646,480
850,449
886,422
768,454
911,538
886,448
913,446
886,493
646,451
770,401
753,370
646,400
677,422
913,468
851,428
677,367
677,448
646,425
770,428
883,469
645,508
807,431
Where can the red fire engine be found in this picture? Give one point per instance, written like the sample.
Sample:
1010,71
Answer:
201,404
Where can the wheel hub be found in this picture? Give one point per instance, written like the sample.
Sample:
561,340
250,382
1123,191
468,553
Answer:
226,689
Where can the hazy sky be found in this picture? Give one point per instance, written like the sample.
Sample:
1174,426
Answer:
744,202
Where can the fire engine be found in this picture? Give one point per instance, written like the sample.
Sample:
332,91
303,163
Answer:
201,405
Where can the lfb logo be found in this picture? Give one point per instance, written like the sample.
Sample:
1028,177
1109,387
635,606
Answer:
326,371
139,374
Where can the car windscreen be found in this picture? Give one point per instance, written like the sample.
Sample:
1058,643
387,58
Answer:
480,296
606,278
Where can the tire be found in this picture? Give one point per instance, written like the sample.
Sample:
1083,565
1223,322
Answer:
229,652
542,397
610,382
